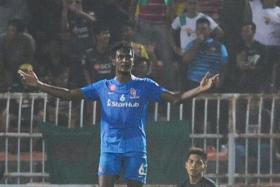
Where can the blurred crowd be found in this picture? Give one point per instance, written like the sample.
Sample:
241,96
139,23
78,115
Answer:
176,42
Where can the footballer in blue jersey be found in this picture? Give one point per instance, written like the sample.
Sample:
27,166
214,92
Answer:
124,102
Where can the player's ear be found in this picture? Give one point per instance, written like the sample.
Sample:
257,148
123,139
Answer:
204,165
113,61
132,62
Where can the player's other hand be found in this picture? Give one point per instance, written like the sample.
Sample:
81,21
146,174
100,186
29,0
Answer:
28,77
209,82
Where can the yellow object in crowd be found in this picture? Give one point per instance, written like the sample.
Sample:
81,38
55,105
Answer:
180,8
26,67
140,50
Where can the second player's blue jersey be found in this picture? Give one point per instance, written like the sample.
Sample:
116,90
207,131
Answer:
124,110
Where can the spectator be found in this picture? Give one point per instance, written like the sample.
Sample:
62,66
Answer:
179,7
204,54
187,23
250,61
195,166
46,20
266,16
10,9
153,27
16,47
52,63
145,59
97,63
231,21
112,13
80,24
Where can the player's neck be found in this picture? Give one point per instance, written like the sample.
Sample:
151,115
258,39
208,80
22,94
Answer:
123,77
195,179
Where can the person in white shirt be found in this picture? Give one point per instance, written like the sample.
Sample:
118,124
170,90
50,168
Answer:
187,23
266,15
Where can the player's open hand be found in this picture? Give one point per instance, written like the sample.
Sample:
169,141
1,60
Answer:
28,78
209,82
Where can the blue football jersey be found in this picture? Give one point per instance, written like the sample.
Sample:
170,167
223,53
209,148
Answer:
124,111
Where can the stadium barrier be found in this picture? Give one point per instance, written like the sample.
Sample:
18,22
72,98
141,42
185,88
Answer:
239,131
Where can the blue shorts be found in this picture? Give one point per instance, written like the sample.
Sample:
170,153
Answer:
133,166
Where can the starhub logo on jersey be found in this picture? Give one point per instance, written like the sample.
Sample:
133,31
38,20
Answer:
122,103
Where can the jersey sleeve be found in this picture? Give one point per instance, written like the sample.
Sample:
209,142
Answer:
154,91
92,91
224,54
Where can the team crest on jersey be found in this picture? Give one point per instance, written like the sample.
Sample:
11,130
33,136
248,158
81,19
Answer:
112,88
133,93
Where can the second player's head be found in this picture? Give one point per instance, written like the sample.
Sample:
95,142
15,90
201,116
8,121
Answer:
196,162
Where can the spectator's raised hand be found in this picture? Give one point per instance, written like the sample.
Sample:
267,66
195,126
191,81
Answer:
28,78
208,82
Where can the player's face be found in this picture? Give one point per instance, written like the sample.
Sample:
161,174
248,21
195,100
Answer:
124,61
127,32
195,166
141,68
247,32
203,29
11,31
104,37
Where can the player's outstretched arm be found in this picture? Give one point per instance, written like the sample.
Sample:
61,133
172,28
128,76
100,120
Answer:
29,78
205,84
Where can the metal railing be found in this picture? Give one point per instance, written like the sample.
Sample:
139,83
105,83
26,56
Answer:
239,131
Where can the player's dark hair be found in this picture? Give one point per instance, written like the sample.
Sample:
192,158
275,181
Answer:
203,20
197,151
124,46
100,27
18,24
